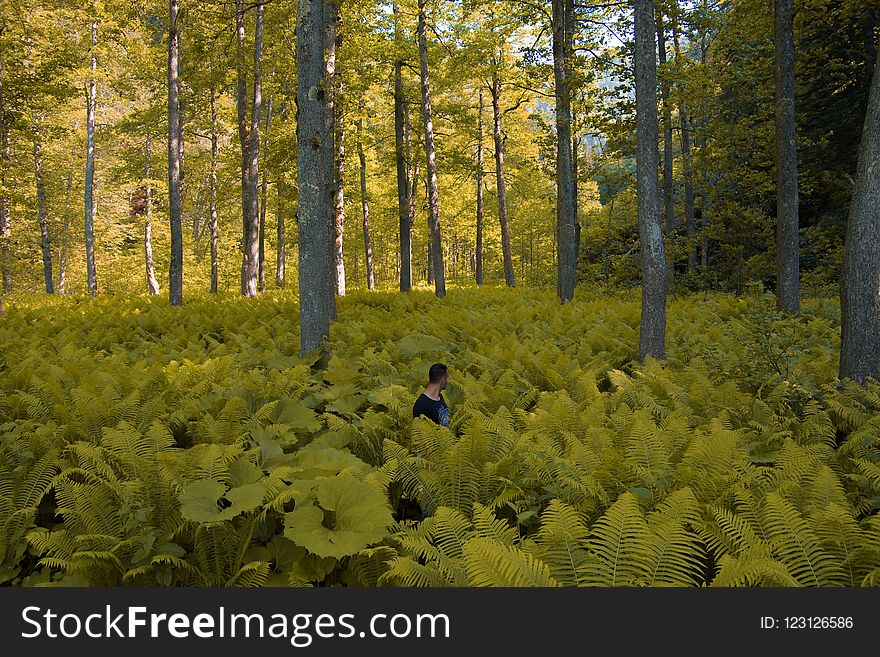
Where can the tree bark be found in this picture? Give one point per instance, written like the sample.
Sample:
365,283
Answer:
243,128
788,293
263,195
253,173
668,191
431,157
565,205
65,232
152,283
653,317
403,182
215,224
315,44
175,275
365,202
501,182
860,280
478,264
43,213
339,164
690,222
281,249
91,273
5,228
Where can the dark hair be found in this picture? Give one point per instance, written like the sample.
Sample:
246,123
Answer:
437,371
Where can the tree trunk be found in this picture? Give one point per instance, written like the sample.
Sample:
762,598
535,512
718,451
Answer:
690,222
180,117
175,284
501,182
668,191
281,249
860,280
253,174
241,111
478,264
365,202
5,229
403,182
565,208
263,194
65,231
339,140
43,214
788,293
653,320
91,274
431,157
315,45
215,224
152,283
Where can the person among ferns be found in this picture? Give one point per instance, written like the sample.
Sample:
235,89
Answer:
430,403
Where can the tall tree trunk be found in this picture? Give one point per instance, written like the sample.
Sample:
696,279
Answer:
263,193
339,140
860,280
180,121
43,214
65,231
412,178
365,202
403,182
565,207
668,190
315,44
788,292
501,182
281,250
175,274
690,222
152,283
5,229
243,138
570,27
704,207
478,264
253,174
215,224
653,321
91,273
431,157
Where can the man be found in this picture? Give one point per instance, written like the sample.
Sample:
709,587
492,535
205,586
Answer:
430,403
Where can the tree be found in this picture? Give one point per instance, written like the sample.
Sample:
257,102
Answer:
42,212
788,293
152,283
478,256
252,245
263,194
89,202
365,201
652,332
315,45
339,165
860,281
175,271
215,230
565,188
403,180
436,249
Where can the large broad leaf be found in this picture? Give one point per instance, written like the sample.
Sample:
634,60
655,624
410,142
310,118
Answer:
294,414
346,516
386,396
200,501
420,343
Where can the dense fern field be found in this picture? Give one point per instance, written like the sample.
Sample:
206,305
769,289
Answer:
144,445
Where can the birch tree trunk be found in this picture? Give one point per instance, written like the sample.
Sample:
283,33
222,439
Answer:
42,213
431,157
215,225
339,166
652,332
65,232
175,274
478,257
315,45
91,273
263,194
152,283
365,202
501,182
860,280
241,112
253,173
5,228
788,293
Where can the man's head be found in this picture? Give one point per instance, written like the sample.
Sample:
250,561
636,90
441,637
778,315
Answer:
438,373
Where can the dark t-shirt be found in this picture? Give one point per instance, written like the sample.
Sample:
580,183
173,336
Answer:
436,411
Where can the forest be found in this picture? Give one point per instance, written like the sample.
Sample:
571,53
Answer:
643,235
